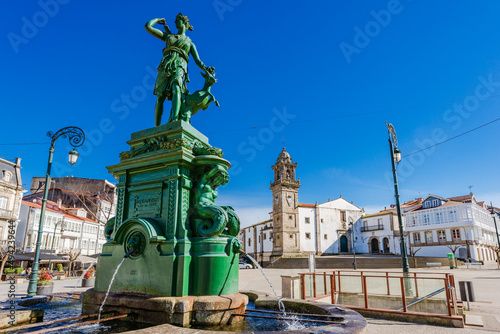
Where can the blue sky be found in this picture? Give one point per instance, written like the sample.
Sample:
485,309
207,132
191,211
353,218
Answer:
323,75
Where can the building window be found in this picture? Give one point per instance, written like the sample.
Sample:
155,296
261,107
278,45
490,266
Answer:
342,216
416,238
291,236
325,236
264,236
365,223
455,234
426,219
452,215
321,219
442,236
428,237
7,176
439,217
308,220
308,235
379,222
290,217
3,202
249,242
271,235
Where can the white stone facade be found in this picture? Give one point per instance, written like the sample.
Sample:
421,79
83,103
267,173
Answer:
460,223
11,192
79,232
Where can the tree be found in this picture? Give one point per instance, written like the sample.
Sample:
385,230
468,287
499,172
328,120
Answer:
413,251
453,249
5,253
95,205
73,254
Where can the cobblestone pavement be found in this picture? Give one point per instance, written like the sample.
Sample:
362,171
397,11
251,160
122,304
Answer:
486,284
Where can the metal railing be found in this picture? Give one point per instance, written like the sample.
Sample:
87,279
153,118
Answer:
390,292
372,228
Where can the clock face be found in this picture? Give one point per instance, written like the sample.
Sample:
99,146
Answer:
289,200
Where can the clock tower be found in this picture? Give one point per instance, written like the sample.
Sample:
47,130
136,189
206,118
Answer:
285,188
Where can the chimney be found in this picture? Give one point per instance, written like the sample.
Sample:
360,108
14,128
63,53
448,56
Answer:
59,203
18,161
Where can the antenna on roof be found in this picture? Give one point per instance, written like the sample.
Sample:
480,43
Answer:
470,189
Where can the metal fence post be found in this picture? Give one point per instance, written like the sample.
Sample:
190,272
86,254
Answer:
403,294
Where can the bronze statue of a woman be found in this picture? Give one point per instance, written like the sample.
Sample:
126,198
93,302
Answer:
172,71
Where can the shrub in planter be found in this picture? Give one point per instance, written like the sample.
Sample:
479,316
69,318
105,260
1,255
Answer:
89,278
18,270
59,267
9,271
44,284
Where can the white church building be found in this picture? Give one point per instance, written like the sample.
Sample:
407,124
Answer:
299,228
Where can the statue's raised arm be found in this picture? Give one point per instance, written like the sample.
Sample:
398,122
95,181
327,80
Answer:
173,72
157,32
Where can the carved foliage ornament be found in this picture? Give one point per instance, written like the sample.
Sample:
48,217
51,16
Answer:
162,143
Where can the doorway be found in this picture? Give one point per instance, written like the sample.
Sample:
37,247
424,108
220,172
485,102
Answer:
375,246
343,244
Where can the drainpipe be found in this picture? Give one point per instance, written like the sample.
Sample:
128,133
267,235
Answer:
318,230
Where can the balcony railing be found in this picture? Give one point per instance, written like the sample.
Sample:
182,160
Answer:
372,228
5,213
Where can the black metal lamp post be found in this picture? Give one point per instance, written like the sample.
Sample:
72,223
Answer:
63,226
76,138
395,159
354,266
494,214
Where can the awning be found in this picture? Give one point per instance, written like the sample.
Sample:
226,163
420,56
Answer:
85,259
42,257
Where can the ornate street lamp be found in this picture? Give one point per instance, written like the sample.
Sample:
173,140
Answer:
494,215
395,159
76,138
354,266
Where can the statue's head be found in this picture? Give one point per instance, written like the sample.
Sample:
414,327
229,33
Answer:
221,178
184,19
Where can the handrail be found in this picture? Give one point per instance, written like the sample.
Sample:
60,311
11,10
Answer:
335,288
424,297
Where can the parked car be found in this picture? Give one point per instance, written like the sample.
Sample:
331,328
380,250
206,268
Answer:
244,265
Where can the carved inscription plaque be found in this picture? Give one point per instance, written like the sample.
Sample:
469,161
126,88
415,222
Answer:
147,203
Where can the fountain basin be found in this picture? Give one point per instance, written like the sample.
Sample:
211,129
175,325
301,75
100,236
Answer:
349,320
179,311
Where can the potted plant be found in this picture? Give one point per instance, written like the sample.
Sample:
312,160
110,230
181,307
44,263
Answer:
88,280
44,284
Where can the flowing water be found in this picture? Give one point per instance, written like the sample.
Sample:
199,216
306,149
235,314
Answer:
109,287
292,322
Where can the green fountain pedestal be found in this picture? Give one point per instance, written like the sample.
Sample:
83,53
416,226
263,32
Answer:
182,247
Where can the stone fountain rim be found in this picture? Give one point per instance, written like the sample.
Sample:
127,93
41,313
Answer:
356,322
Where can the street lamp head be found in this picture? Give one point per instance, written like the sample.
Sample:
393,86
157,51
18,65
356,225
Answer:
397,155
73,156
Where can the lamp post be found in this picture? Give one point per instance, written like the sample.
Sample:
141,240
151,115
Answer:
63,225
395,159
493,214
76,138
353,246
